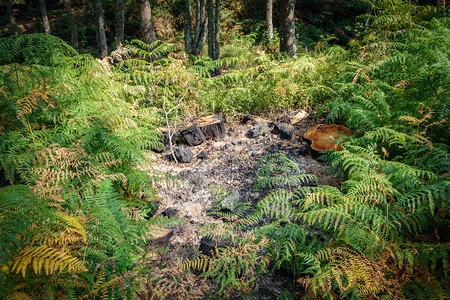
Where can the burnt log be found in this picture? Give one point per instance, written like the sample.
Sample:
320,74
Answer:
210,127
193,135
283,130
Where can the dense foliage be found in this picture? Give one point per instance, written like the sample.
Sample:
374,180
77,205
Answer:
73,137
77,182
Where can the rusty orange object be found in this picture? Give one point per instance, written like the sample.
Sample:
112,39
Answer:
323,137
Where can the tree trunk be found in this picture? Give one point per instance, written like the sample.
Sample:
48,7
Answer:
287,27
100,28
147,27
44,15
217,31
194,41
269,13
188,43
213,32
200,28
120,22
72,24
211,27
12,18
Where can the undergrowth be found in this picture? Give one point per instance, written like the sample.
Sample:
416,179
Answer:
77,181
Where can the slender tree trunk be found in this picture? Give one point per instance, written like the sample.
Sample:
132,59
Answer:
287,27
100,28
198,18
44,15
72,24
188,41
120,21
147,27
211,28
213,32
269,14
217,31
200,27
12,19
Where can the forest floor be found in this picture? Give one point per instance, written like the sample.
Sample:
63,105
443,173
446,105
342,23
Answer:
231,164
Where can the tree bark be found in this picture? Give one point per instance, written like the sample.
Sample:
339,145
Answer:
188,40
211,27
200,28
217,31
194,41
72,24
147,27
213,32
44,15
269,20
120,21
12,18
100,28
287,27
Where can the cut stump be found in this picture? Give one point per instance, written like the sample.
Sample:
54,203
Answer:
323,137
210,127
193,135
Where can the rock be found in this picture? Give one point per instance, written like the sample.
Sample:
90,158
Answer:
284,130
202,155
299,116
252,119
258,130
193,209
170,212
183,154
208,246
246,119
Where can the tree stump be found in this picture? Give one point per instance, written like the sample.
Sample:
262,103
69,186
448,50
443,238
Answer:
193,135
323,137
210,127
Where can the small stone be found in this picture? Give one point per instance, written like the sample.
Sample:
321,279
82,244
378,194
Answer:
299,116
202,155
246,119
193,209
170,212
284,130
257,130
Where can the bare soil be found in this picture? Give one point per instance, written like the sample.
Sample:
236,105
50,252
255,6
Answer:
231,164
